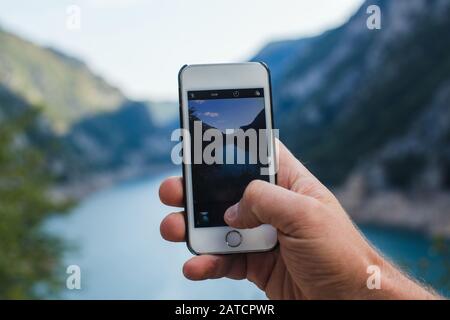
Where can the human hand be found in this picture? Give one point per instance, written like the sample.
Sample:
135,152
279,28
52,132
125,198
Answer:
321,254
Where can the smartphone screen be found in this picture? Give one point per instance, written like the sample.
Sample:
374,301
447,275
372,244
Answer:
220,180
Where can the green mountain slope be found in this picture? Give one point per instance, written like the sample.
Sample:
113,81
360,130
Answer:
64,86
97,133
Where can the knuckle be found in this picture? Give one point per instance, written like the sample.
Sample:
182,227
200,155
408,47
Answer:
314,206
252,192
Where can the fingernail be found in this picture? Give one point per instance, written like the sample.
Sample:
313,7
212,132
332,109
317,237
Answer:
231,213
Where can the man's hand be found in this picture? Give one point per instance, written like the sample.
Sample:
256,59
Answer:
321,254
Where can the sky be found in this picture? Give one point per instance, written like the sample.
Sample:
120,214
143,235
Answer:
139,45
227,113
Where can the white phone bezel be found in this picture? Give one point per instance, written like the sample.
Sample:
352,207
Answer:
211,240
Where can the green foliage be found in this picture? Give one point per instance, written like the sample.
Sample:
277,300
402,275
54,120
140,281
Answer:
28,256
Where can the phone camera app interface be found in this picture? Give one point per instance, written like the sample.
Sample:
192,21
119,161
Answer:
228,148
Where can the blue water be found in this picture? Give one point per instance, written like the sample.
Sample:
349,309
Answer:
116,240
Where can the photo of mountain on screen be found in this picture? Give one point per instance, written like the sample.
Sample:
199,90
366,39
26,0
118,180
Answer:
229,148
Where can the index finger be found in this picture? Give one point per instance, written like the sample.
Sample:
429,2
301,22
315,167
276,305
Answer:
171,192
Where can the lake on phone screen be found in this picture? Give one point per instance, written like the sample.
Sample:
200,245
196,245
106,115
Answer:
115,240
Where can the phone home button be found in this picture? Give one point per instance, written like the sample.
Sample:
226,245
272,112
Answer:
233,238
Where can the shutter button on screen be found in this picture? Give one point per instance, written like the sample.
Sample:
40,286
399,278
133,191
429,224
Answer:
233,239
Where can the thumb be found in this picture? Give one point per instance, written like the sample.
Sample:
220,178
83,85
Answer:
265,203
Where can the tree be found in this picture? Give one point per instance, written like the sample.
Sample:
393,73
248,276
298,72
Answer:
29,258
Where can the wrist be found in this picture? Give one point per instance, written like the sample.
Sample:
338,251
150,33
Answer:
392,284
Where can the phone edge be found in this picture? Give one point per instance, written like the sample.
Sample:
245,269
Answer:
180,107
277,243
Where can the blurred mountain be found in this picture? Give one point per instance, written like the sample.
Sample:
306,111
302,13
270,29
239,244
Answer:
64,85
368,110
280,54
36,131
125,142
97,133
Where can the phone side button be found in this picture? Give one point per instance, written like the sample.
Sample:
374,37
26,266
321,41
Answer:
233,239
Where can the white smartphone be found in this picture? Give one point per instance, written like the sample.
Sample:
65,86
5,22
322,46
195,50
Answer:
222,108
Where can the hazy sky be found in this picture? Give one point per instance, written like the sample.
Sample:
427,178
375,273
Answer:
139,45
